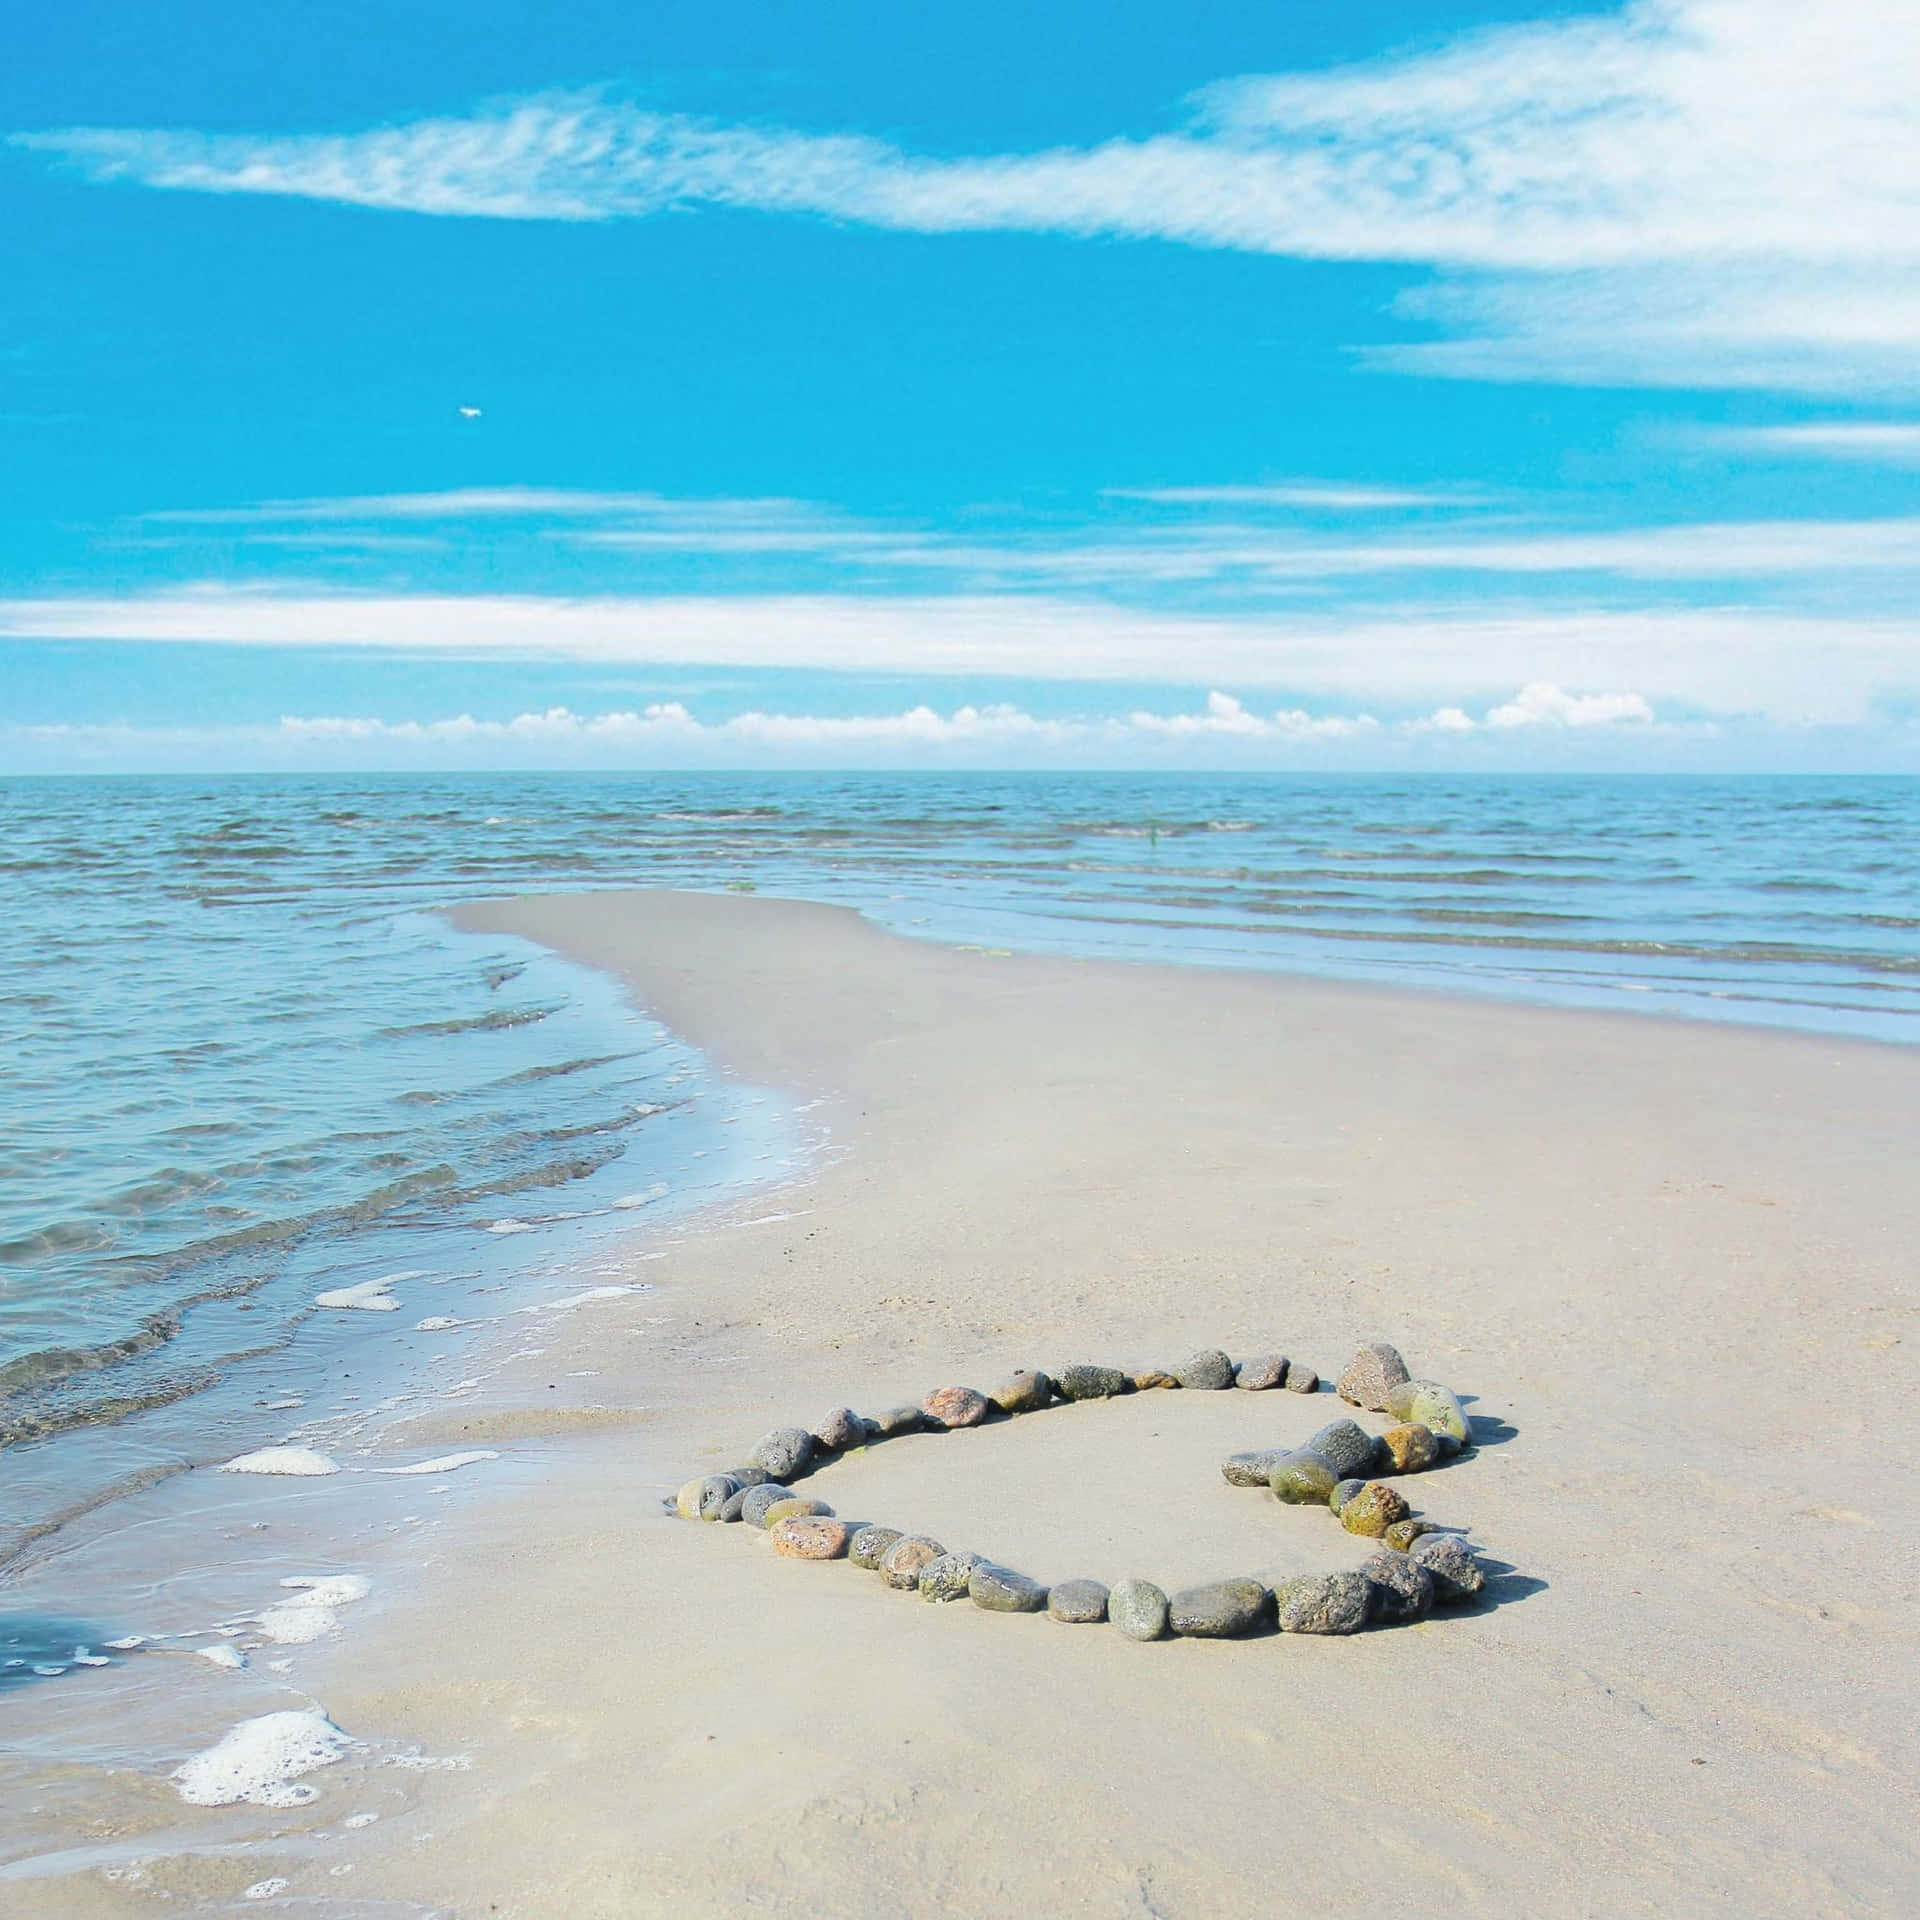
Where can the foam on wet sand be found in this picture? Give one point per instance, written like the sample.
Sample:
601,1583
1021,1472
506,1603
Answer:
262,1760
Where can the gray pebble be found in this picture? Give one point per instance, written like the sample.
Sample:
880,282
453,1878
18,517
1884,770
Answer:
841,1429
896,1420
784,1452
1301,1379
715,1492
948,1576
1001,1590
1402,1588
1026,1392
901,1563
870,1546
1252,1469
1262,1373
736,1504
1091,1383
1084,1602
748,1476
1208,1370
1371,1375
1138,1608
1222,1611
1448,1558
1346,1446
1323,1603
1344,1492
753,1509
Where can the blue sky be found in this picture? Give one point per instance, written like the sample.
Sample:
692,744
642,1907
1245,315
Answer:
1279,385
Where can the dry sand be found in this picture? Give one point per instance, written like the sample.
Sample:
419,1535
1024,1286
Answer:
1673,1265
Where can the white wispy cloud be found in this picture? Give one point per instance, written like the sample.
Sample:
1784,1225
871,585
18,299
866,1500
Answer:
1715,191
1894,443
1788,669
1331,495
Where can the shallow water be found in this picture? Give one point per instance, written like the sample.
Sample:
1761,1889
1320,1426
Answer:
244,1065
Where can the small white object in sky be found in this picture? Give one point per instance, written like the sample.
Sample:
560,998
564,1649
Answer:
469,413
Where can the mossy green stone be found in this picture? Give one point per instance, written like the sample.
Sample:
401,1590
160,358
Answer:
1302,1479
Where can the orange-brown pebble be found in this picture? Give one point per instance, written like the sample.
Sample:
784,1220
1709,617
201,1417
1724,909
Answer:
955,1407
809,1538
1412,1449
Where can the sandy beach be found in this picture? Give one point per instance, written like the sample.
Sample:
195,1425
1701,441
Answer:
1668,1265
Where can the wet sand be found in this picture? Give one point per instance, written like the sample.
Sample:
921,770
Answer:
1672,1265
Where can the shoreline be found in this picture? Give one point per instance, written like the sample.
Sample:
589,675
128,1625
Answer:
1036,1161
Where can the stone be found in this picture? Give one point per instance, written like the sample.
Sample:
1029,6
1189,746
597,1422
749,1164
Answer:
1344,1492
735,1509
870,1546
749,1476
1209,1370
794,1507
784,1452
952,1407
947,1576
1147,1379
1301,1379
801,1537
687,1502
1259,1375
1085,1382
1371,1375
1346,1446
1446,1446
841,1429
897,1420
1138,1608
1001,1590
1302,1479
715,1491
1322,1603
1081,1602
1252,1469
1456,1573
1222,1611
1373,1510
1402,1588
1403,1533
753,1509
1429,1404
900,1565
1028,1392
1410,1448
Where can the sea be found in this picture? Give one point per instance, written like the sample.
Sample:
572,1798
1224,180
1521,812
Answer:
263,1108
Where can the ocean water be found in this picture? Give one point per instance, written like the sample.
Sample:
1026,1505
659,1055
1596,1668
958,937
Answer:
243,1063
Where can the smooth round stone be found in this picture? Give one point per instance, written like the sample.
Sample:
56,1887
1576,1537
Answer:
736,1506
753,1509
1082,1603
795,1507
801,1537
1373,1510
1403,1533
1402,1588
1027,1392
1430,1405
1344,1492
1252,1469
1446,1446
841,1429
1001,1590
897,1420
1222,1611
1371,1375
1301,1379
1091,1383
871,1544
686,1503
1411,1448
749,1476
1456,1573
1207,1371
1346,1446
1262,1373
1322,1603
948,1576
1302,1479
1138,1608
952,1407
715,1491
1148,1379
901,1563
784,1452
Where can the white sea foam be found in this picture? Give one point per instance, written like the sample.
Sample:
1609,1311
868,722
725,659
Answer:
266,1889
222,1656
658,1191
509,1226
582,1299
259,1760
313,1611
300,1462
435,1323
447,1462
370,1296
